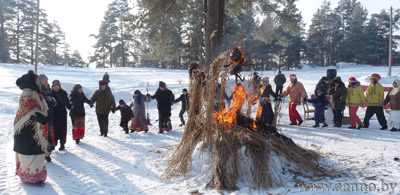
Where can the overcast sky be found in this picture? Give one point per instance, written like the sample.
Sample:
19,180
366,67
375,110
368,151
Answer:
80,18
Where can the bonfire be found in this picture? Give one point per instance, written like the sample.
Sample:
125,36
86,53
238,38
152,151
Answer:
234,139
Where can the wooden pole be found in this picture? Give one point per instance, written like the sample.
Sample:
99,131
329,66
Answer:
390,42
37,35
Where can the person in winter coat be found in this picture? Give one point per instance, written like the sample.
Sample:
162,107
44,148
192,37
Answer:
105,102
296,92
45,90
322,85
139,122
338,101
60,113
267,114
77,113
355,97
374,97
165,99
106,77
393,97
279,80
30,128
126,115
320,103
184,98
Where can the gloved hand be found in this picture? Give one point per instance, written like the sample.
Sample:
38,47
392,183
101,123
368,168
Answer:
40,118
91,105
381,102
113,110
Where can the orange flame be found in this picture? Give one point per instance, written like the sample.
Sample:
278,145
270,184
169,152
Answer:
259,108
229,116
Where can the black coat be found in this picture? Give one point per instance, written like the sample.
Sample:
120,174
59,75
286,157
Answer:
60,113
185,101
321,86
165,99
126,112
280,79
267,114
339,94
77,100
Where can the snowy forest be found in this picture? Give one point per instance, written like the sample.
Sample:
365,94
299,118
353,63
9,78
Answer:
172,34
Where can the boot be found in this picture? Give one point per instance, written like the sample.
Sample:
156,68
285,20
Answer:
62,147
293,124
146,130
351,127
315,126
160,131
126,131
181,125
101,134
383,128
393,129
77,141
300,122
365,126
325,125
105,134
359,126
48,158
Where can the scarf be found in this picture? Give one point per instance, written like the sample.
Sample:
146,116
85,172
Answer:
396,90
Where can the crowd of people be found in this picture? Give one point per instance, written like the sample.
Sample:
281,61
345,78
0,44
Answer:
40,123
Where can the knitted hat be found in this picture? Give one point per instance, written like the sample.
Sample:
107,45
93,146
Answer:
121,101
162,84
42,77
292,76
103,82
352,79
55,82
376,77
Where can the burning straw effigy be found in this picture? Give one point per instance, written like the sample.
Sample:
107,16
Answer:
229,135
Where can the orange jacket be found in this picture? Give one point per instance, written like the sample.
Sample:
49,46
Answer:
296,92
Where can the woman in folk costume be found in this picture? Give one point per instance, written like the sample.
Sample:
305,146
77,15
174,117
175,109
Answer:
267,114
139,112
30,131
394,98
296,91
355,97
45,90
375,97
77,113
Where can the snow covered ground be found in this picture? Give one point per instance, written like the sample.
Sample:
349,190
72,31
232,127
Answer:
134,163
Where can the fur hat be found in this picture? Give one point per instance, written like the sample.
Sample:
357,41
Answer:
28,81
266,79
55,82
76,87
103,82
42,77
121,101
352,79
162,84
376,77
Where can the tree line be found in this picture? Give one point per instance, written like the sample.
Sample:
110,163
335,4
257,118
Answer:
17,36
174,33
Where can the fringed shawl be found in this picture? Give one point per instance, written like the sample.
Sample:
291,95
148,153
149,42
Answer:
29,103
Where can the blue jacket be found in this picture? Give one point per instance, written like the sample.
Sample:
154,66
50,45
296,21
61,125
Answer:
320,102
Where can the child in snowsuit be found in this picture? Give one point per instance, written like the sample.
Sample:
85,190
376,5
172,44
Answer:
185,105
126,115
320,103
